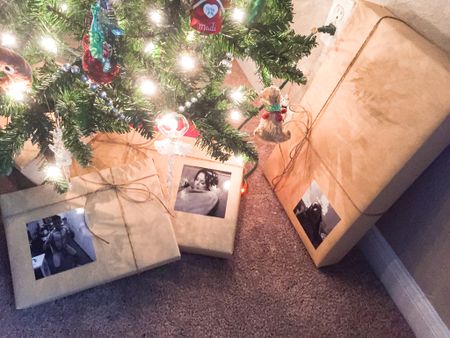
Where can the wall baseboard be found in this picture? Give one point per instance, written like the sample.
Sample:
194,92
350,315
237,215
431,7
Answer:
401,286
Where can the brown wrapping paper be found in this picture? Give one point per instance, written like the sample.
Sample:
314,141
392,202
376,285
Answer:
212,236
140,235
380,105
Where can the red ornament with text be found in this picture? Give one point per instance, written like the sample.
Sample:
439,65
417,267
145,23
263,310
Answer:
207,16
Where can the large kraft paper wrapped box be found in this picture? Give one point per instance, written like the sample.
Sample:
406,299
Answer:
380,109
129,229
195,233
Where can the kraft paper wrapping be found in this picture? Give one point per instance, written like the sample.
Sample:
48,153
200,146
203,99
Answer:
381,106
212,236
140,238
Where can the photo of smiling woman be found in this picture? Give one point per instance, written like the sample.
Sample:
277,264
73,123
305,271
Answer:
203,191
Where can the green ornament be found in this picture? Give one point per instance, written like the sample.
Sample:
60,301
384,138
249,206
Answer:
96,36
255,9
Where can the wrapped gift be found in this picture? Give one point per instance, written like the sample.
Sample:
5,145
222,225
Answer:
111,224
205,222
374,117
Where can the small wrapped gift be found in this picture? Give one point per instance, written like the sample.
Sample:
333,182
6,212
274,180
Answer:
205,216
111,224
371,121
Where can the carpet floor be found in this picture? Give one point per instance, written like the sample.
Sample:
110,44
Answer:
270,288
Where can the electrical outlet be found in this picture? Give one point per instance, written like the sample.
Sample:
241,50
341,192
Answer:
338,15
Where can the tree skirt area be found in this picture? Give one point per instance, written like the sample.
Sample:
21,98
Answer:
270,287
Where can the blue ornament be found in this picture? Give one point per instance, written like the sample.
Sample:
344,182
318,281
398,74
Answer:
103,95
66,67
75,69
93,86
117,31
84,78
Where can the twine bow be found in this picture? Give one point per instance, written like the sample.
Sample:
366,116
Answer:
125,191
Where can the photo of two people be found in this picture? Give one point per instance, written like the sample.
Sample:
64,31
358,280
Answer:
59,243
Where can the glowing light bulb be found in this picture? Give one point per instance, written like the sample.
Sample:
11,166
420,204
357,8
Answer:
237,95
149,47
63,7
227,185
156,17
8,40
238,15
240,159
190,36
49,44
52,172
187,62
17,90
148,87
235,115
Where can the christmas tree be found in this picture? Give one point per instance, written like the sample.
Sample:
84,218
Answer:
112,66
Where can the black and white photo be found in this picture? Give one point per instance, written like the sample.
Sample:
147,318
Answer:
316,214
203,191
59,243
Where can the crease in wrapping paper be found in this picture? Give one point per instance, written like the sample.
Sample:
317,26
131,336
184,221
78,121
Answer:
120,190
311,122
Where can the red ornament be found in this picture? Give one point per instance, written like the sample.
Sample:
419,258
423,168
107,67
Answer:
283,110
94,68
13,69
207,16
279,117
265,115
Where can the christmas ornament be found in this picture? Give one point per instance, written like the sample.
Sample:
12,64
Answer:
173,126
15,72
63,157
270,127
99,59
207,16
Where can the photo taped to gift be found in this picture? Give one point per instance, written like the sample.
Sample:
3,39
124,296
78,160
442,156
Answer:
59,243
316,214
203,191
